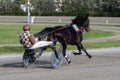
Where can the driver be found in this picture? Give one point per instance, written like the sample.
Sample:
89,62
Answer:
29,41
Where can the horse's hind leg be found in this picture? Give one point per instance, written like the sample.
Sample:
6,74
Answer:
89,56
64,54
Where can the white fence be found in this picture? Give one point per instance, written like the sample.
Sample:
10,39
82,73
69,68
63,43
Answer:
60,19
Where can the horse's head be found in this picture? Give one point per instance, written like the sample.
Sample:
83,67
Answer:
82,22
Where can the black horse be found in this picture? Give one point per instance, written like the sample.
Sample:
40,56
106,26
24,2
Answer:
66,35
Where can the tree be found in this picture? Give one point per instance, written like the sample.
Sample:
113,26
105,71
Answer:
44,5
68,6
109,5
81,5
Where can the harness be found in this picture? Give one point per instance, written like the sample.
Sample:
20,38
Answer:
75,27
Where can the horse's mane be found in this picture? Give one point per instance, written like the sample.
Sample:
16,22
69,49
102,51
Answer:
80,20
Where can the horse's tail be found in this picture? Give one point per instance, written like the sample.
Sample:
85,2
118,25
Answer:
43,33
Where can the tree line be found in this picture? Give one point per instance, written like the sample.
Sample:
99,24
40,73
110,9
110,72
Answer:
42,7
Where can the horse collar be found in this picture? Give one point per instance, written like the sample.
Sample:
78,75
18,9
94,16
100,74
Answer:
75,27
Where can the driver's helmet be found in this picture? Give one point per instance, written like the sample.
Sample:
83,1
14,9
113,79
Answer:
26,27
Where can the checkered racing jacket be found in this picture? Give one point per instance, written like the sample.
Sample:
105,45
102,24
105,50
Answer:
27,40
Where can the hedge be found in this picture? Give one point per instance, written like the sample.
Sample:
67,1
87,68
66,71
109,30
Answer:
100,14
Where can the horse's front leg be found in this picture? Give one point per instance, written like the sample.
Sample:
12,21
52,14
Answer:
78,42
89,56
79,49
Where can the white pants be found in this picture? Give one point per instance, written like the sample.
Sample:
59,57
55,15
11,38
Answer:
41,44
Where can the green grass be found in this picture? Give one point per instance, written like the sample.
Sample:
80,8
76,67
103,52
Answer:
11,50
9,34
98,45
97,34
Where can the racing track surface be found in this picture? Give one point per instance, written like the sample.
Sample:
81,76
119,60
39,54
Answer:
105,65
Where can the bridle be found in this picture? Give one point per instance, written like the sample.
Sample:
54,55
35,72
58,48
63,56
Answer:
84,27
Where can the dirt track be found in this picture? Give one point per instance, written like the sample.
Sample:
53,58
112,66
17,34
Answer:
105,65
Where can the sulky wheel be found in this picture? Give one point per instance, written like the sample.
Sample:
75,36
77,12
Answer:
57,61
28,59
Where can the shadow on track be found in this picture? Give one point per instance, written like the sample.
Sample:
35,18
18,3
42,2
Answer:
38,64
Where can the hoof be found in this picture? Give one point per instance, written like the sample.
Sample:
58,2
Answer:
77,53
69,61
90,56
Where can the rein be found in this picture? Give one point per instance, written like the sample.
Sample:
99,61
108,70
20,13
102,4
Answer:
55,30
58,29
